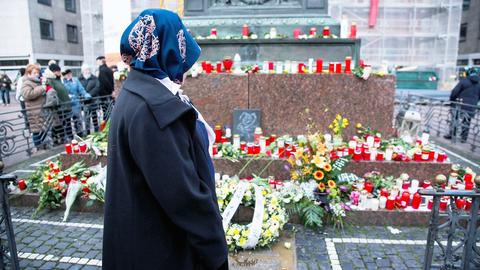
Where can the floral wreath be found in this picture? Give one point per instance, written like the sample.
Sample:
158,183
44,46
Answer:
238,236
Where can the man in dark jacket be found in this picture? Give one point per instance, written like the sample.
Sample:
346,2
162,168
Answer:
61,133
105,77
92,86
466,96
5,87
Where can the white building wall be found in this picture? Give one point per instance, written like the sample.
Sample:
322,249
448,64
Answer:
15,24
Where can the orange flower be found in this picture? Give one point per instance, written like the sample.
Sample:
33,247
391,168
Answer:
318,175
327,167
321,187
331,184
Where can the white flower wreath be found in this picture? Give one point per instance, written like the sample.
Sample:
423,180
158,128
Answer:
265,228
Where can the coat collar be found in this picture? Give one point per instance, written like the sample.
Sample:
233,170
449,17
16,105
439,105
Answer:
164,105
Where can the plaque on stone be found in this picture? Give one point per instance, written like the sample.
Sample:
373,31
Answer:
245,121
348,177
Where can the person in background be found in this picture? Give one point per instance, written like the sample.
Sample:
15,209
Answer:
467,93
18,87
105,77
5,87
62,133
76,92
34,98
92,86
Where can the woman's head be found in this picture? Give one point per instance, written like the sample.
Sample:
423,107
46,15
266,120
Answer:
32,71
157,43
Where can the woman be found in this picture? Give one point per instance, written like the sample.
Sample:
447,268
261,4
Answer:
161,210
33,94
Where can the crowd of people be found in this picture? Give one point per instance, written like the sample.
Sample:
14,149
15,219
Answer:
53,100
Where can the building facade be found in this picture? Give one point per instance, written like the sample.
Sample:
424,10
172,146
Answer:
92,31
40,30
469,43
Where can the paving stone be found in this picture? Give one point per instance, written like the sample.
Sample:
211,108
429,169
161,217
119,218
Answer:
48,265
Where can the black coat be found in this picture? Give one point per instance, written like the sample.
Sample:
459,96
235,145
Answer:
161,210
467,91
91,85
105,77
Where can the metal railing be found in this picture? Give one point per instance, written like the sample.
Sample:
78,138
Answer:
441,118
459,226
8,246
26,131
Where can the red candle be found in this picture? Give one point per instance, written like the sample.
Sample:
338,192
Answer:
271,182
208,68
218,134
296,33
288,151
331,68
468,185
366,154
368,187
460,203
213,31
270,66
441,157
214,149
273,138
398,201
83,147
204,65
353,30
417,156
468,204
313,31
338,68
243,146
250,149
431,156
219,67
281,152
405,199
67,178
417,199
390,203
380,156
228,63
348,65
256,148
326,32
245,31
319,65
68,148
301,68
443,204
425,155
468,177
357,155
406,184
430,204
21,184
426,184
384,192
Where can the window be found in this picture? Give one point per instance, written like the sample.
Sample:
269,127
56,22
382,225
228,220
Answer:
70,6
46,29
45,2
18,62
463,32
44,62
72,63
72,33
462,62
476,62
466,4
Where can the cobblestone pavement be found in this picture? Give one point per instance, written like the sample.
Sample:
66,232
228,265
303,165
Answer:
48,243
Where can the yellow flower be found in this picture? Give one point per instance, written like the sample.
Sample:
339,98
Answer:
331,184
242,241
299,153
319,161
359,125
319,175
330,127
294,176
338,117
321,149
321,187
327,167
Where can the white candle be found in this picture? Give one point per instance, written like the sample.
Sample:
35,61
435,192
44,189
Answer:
374,204
425,138
280,143
383,202
352,144
279,68
225,177
310,65
263,144
344,27
414,185
273,32
217,177
265,67
399,183
228,132
370,141
294,67
388,154
236,141
328,138
373,154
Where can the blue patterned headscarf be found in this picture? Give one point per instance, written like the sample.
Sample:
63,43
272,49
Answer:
157,43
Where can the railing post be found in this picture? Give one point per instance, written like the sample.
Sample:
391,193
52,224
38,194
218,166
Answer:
432,232
471,236
8,248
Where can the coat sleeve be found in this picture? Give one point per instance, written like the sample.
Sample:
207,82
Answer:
456,91
30,93
164,159
95,91
81,90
